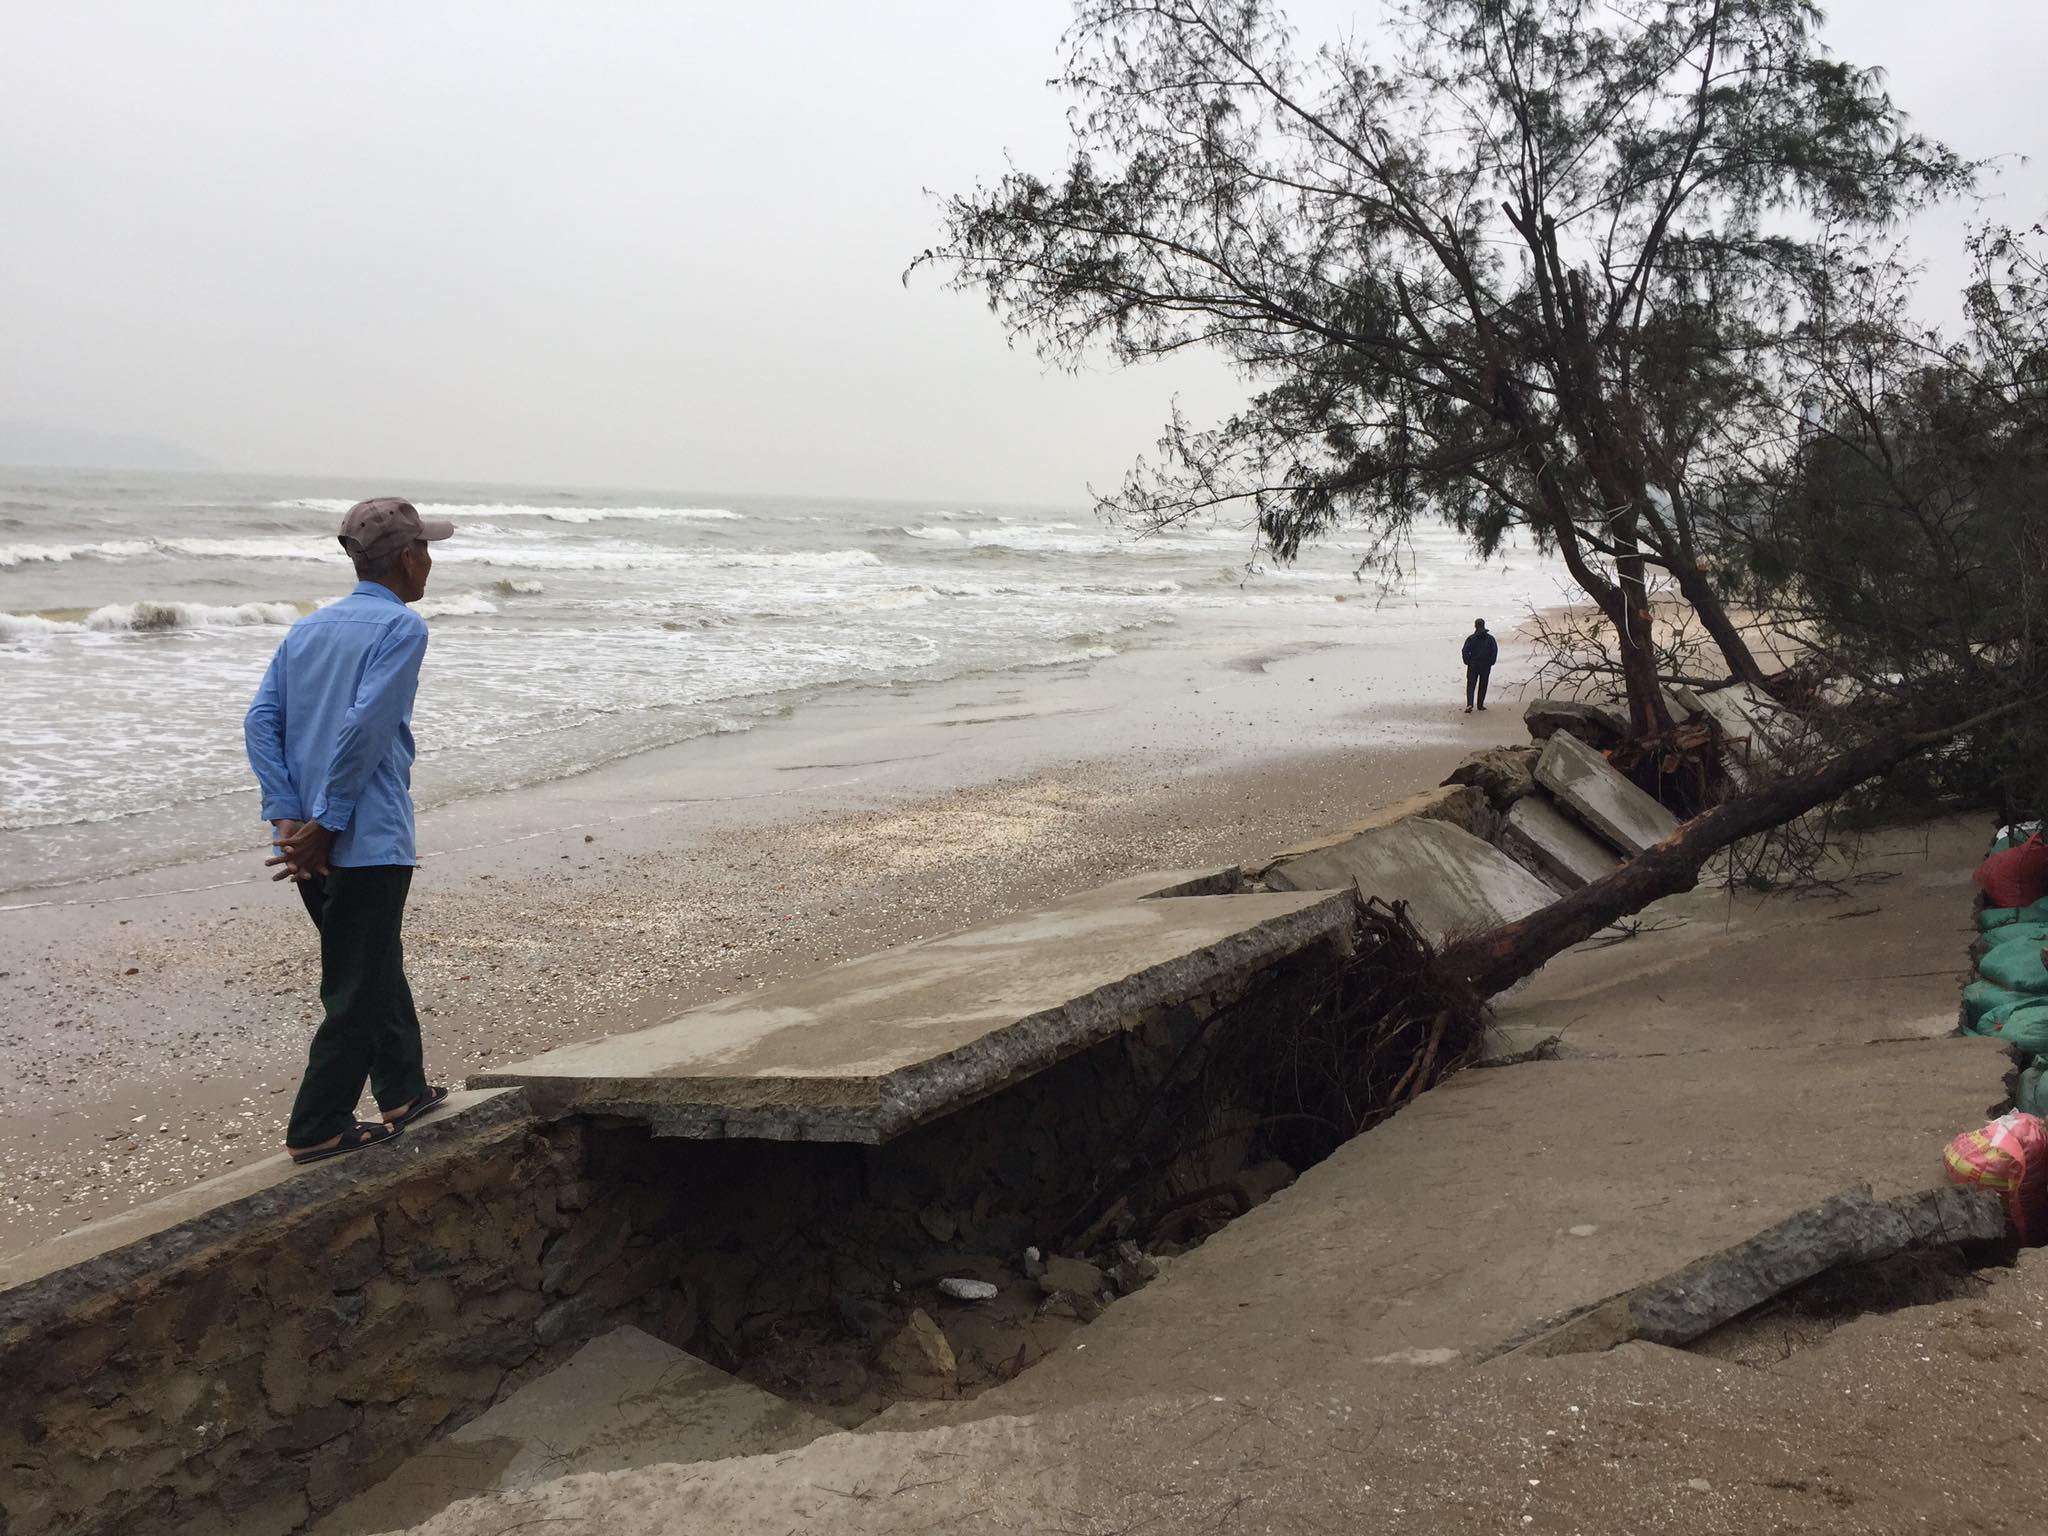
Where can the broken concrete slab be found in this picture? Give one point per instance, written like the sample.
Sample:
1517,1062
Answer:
623,1400
867,1049
1461,805
1591,722
1591,788
1595,1181
1546,841
1756,729
1453,883
1851,1228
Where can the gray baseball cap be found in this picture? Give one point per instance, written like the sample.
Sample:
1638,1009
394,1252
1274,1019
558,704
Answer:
384,525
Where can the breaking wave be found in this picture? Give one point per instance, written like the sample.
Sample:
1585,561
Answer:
458,511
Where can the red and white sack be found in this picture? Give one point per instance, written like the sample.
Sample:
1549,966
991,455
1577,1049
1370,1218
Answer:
2010,1155
2016,877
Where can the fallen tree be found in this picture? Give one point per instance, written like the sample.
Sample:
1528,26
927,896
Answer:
1496,960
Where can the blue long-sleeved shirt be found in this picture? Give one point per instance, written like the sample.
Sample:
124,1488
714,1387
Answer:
330,730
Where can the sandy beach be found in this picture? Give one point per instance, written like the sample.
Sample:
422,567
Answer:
155,1025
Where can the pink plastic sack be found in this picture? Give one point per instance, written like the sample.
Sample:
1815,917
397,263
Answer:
2010,1155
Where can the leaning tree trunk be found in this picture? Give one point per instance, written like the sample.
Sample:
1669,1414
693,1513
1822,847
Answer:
1706,602
1496,960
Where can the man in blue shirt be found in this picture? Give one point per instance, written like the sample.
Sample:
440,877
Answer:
330,738
1480,653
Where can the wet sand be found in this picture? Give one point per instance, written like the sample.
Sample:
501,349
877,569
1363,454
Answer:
152,1028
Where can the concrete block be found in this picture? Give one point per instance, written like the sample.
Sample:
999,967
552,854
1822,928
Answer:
862,1051
1462,805
1591,722
1502,774
1756,728
1592,790
1560,850
1453,883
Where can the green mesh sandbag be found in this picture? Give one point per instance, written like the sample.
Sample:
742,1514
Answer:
1989,918
2032,1094
2015,968
2035,934
1985,1006
2026,1026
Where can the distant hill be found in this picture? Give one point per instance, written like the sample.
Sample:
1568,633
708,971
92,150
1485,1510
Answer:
28,443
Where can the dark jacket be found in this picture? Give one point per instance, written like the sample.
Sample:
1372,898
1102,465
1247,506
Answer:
1481,649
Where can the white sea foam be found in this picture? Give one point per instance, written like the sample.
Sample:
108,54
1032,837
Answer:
147,617
624,556
459,511
33,626
885,602
289,547
462,605
38,554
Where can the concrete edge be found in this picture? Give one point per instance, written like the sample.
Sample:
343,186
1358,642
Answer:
1850,1228
930,1090
1227,880
1440,803
44,1281
936,1088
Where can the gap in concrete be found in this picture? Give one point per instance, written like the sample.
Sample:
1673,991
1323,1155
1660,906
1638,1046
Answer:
1809,1312
814,1270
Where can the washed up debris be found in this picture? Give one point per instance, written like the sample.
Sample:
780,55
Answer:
1133,1267
1074,1276
966,1290
918,1355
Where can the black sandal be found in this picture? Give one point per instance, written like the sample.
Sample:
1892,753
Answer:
432,1099
358,1136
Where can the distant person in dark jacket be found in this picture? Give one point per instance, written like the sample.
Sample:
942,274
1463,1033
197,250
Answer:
1481,652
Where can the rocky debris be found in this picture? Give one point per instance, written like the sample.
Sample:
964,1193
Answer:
966,1290
1503,774
862,1317
1073,1286
919,1356
1132,1267
1032,1263
567,1322
1594,724
1540,837
1262,1181
588,1247
1076,1277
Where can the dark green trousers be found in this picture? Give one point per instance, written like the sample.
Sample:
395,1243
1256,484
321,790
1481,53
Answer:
370,1033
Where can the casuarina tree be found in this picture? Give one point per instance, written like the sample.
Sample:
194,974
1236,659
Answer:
1515,264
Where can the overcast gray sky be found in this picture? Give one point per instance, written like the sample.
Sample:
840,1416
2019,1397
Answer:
633,244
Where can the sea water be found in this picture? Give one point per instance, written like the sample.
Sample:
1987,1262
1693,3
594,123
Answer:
571,627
